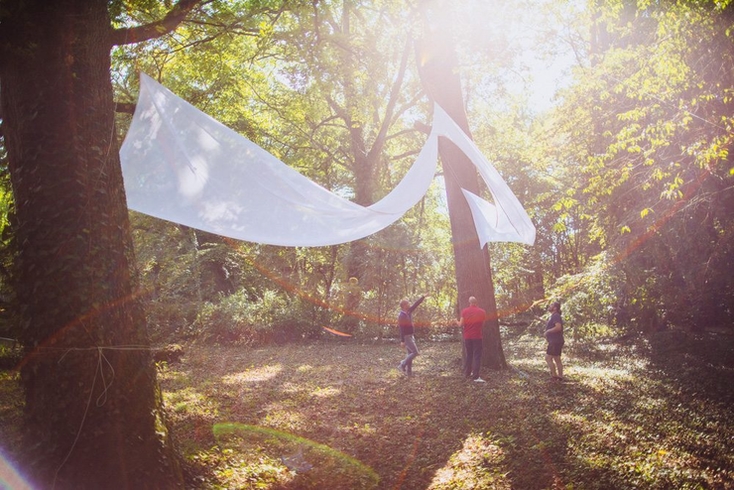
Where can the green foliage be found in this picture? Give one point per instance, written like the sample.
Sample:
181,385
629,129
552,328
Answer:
8,307
628,181
649,115
10,355
591,300
237,319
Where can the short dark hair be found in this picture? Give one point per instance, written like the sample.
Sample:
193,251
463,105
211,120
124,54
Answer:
557,304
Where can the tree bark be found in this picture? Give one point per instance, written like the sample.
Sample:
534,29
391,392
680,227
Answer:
438,68
93,408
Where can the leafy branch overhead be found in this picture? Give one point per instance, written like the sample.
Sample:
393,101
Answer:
169,23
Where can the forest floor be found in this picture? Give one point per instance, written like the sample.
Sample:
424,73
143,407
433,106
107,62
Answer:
646,413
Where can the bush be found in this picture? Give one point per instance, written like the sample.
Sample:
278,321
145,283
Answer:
591,301
170,320
273,318
10,356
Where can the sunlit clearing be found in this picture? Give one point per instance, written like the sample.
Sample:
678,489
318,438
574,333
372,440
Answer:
267,472
478,464
254,375
603,441
596,429
593,374
362,429
292,388
165,373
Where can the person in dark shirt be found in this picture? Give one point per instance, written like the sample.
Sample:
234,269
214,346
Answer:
407,337
472,321
554,336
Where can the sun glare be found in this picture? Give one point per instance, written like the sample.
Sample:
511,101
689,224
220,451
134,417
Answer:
523,44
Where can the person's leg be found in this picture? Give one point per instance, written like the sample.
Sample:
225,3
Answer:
553,358
412,353
557,348
559,366
401,366
477,360
468,356
551,365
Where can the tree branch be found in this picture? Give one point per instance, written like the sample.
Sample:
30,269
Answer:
125,107
156,29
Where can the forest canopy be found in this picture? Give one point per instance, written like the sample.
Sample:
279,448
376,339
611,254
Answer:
626,175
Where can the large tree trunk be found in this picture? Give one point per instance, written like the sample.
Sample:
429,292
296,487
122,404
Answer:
93,409
438,69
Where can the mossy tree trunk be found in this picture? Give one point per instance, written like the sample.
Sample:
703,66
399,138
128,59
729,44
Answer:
93,408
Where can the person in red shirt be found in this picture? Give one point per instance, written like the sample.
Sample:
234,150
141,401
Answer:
471,321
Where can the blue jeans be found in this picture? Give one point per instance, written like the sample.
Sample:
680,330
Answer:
412,351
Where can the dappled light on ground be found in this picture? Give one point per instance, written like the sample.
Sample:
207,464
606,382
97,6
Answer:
634,414
286,415
253,375
516,431
289,457
478,451
325,392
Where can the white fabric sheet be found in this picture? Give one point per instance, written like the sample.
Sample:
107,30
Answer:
182,165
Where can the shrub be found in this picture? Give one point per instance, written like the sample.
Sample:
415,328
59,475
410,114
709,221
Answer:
591,300
272,318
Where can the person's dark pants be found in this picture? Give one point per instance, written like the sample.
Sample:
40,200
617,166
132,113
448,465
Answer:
472,358
412,350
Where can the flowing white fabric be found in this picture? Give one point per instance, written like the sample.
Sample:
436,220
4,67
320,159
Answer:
506,219
182,165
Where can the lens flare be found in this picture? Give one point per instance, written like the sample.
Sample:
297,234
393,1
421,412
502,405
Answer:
10,478
253,431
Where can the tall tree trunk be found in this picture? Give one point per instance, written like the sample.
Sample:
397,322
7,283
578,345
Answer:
438,69
93,408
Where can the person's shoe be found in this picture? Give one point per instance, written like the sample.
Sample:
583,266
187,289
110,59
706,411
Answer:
401,367
479,380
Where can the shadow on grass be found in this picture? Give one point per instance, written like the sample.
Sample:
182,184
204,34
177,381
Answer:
647,413
702,362
616,422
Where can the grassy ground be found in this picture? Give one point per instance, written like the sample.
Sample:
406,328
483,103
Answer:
645,413
648,414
